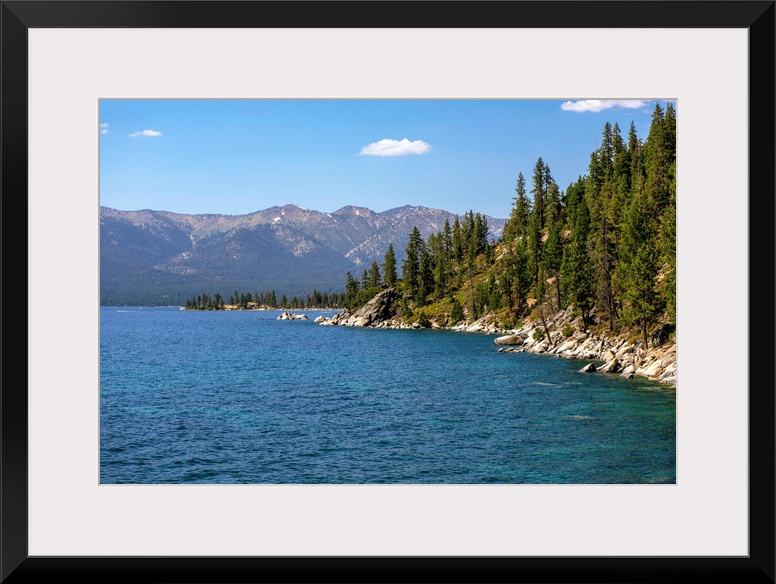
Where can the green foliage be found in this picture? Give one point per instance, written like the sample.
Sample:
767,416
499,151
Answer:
374,276
423,320
411,265
351,290
268,299
568,329
456,312
389,267
538,334
363,296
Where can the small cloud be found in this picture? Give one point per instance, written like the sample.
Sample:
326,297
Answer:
104,127
151,133
388,147
599,105
104,124
103,131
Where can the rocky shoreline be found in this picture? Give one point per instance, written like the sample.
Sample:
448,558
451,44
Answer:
616,354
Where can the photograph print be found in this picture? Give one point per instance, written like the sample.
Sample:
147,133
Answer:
418,291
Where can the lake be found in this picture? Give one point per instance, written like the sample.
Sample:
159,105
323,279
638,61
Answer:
238,397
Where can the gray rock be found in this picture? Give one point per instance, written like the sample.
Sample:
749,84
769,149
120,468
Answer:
612,366
508,340
589,368
285,315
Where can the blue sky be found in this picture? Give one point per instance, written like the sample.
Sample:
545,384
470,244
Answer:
239,156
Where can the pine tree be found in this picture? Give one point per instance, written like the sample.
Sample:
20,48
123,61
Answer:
538,192
640,262
389,267
606,153
411,264
480,236
535,253
552,258
374,275
517,224
576,268
351,291
668,251
458,240
425,276
553,206
440,277
456,312
447,241
659,155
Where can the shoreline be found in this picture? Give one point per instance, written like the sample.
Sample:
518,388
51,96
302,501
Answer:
625,357
615,354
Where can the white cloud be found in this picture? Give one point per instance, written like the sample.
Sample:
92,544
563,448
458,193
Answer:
151,133
388,147
104,124
103,131
104,127
599,105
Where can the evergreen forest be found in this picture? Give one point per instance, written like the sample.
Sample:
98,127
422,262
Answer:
605,246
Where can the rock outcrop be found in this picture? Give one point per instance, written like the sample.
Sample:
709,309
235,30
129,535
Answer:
375,313
285,315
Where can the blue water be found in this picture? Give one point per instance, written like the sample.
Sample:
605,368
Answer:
240,397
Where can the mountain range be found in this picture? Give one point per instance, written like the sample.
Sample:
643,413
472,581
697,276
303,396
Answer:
163,258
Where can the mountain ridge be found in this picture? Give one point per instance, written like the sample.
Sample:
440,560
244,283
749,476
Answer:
163,257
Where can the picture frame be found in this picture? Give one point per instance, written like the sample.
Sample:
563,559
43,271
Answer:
18,17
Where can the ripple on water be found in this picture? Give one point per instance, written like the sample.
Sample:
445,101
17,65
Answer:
219,398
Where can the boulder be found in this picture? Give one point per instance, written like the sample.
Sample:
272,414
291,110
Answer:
654,369
612,366
628,372
478,326
589,368
569,346
508,340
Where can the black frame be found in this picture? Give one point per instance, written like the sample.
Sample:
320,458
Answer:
756,16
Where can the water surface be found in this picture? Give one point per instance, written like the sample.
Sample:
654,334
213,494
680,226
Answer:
240,397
